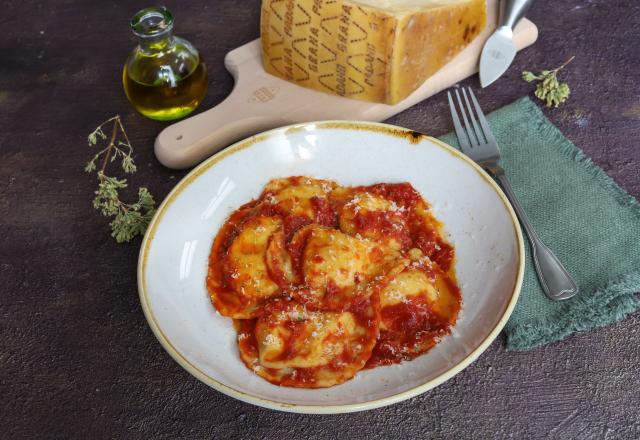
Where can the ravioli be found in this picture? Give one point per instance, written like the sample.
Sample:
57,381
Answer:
290,345
279,261
246,271
324,280
302,197
396,215
417,307
338,267
374,217
429,237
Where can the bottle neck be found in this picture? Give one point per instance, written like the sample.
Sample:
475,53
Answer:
154,29
156,44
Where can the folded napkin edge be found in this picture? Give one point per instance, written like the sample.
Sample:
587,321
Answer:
611,304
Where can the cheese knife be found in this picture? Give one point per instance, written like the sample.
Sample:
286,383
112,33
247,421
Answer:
499,50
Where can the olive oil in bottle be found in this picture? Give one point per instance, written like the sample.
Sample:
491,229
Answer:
164,77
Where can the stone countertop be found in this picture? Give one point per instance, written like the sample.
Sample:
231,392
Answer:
77,359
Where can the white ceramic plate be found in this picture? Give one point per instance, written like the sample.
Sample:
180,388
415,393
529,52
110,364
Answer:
173,259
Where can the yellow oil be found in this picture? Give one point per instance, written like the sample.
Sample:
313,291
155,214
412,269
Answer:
166,100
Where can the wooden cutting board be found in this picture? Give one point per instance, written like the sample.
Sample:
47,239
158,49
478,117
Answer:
260,101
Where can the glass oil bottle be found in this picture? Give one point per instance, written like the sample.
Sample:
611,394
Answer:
164,77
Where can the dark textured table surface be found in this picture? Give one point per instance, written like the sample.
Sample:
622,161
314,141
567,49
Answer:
77,359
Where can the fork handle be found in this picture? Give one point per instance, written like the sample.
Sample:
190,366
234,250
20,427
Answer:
554,278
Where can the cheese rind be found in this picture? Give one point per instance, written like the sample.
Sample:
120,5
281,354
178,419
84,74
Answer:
355,49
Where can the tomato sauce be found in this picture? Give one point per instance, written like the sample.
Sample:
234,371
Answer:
434,247
389,334
386,224
412,329
402,193
325,213
292,223
364,313
295,247
225,300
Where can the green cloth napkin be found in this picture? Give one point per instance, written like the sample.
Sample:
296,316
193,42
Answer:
591,224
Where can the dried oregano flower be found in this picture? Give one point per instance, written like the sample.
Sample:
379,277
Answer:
129,219
549,89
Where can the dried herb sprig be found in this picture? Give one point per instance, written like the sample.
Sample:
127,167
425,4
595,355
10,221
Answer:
549,89
129,219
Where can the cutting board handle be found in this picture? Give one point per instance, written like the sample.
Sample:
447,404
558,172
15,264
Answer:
192,140
260,101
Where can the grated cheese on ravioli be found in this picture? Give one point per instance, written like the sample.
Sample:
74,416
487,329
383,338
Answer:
324,280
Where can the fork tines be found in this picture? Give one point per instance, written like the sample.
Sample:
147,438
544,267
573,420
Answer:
471,134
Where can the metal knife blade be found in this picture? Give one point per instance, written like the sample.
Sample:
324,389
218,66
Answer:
497,54
499,51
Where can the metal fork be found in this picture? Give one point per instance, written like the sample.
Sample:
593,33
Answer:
477,141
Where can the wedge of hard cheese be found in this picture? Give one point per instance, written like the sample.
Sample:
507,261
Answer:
374,50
